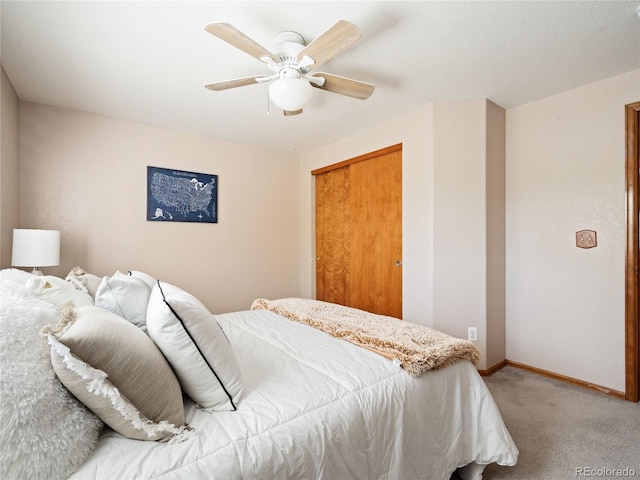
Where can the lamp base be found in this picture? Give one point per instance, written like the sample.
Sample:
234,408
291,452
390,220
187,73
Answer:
36,271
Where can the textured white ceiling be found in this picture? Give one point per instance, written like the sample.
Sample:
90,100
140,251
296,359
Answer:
148,61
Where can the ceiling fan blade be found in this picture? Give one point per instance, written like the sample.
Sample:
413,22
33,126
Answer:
344,86
237,82
289,113
235,37
332,42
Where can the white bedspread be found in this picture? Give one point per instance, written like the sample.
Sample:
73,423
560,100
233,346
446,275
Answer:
317,407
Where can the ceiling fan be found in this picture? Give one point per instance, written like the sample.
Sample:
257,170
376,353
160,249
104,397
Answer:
291,63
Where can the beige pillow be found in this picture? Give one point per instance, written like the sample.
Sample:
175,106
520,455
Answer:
83,281
118,372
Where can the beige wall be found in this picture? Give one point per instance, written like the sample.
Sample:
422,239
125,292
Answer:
564,307
445,204
459,220
468,223
86,175
414,131
444,170
565,173
9,168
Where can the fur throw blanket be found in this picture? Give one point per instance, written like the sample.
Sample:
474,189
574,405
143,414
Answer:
417,348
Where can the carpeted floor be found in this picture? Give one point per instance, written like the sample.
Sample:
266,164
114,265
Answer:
564,431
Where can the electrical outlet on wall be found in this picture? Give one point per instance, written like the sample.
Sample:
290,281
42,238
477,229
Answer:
472,334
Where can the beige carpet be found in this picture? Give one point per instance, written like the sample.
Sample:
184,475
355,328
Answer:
564,431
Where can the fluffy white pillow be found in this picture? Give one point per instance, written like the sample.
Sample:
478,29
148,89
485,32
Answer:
126,296
195,346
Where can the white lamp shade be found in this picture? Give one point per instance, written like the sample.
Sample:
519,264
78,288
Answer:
35,248
290,94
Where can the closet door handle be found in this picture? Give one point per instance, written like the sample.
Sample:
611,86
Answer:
398,263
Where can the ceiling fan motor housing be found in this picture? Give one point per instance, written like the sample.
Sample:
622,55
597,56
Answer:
287,47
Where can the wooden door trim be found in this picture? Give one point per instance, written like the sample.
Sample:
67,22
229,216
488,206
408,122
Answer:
361,158
632,322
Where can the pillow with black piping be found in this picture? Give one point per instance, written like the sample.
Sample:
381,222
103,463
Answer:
195,346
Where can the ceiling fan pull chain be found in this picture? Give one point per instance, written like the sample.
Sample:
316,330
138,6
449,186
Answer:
268,104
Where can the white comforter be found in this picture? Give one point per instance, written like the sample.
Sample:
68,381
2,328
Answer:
317,407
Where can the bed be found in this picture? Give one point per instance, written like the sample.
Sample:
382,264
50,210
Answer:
306,405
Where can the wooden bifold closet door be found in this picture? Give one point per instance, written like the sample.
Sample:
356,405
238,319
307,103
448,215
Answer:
359,232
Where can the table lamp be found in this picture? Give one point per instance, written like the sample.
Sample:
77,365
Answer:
35,248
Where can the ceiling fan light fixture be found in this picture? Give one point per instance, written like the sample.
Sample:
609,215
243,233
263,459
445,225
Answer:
291,61
290,92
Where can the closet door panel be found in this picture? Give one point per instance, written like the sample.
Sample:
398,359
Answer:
359,232
333,247
376,234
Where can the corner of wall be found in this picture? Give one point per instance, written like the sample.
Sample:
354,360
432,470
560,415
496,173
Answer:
9,166
496,233
468,223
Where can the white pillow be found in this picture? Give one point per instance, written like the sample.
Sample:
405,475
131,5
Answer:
195,346
148,279
125,296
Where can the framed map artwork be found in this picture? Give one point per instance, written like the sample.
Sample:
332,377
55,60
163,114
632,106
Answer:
179,196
